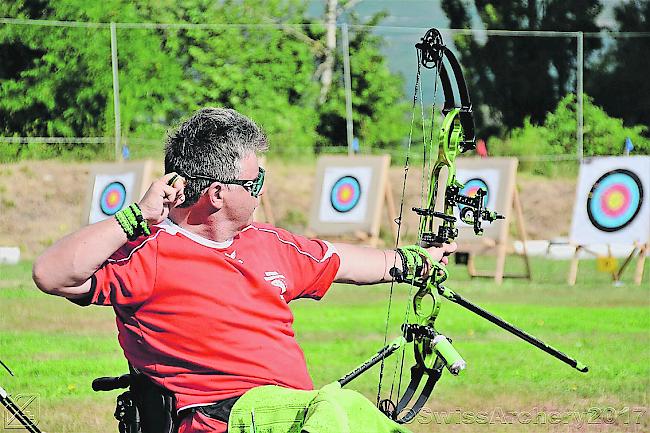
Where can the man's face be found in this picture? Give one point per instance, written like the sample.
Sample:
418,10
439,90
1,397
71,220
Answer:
238,202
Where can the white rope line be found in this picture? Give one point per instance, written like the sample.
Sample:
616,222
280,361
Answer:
75,140
150,25
326,149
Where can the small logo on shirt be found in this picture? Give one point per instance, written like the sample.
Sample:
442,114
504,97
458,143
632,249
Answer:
278,280
233,256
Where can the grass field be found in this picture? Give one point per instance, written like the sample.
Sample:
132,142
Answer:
56,348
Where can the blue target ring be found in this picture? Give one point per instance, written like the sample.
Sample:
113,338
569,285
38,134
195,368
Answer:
471,188
345,194
112,198
614,200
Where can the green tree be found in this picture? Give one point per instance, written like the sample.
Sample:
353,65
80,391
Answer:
520,77
255,56
603,135
62,85
617,80
377,96
260,70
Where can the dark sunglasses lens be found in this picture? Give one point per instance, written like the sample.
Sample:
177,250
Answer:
258,184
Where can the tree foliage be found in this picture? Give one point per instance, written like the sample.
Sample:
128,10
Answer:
556,135
378,110
62,85
520,77
255,57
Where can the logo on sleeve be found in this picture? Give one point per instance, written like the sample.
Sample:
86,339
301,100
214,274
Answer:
278,280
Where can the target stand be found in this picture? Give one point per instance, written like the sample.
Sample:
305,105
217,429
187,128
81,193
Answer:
609,264
112,187
612,207
497,177
348,198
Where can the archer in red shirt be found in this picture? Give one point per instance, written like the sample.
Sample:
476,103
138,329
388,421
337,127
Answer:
201,297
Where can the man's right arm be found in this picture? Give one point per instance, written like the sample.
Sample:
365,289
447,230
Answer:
65,268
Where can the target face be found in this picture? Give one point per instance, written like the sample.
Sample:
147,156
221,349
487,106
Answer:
615,200
471,188
345,194
487,179
113,188
112,198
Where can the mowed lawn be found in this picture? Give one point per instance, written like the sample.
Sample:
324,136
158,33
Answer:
55,350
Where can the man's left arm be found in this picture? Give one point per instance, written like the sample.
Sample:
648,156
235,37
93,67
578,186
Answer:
366,265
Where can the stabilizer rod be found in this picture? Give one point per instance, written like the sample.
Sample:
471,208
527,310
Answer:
457,299
383,353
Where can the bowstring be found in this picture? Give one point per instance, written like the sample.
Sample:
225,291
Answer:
399,228
426,180
407,310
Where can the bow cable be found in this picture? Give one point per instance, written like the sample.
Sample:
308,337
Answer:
425,180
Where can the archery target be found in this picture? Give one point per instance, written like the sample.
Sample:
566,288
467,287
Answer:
612,201
112,198
344,195
472,186
615,200
111,193
487,179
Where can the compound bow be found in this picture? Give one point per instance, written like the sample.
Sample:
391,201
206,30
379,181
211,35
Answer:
433,351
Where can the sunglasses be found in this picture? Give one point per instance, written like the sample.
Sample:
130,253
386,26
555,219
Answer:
254,186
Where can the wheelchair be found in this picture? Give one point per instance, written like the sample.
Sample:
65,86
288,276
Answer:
144,408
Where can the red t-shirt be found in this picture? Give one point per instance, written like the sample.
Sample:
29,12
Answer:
210,320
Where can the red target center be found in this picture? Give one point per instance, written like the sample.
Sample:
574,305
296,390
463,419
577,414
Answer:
113,198
345,194
615,201
471,192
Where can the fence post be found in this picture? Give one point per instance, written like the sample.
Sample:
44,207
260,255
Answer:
116,94
348,87
580,86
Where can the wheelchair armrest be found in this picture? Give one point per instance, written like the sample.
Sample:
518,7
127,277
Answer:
111,383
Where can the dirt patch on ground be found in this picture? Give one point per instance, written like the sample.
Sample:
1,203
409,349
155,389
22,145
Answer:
41,201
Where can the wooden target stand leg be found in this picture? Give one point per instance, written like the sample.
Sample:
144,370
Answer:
573,269
502,251
638,273
640,250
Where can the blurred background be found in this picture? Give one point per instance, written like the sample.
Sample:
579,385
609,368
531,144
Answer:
65,73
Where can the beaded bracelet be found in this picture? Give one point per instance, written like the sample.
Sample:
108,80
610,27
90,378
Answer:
131,220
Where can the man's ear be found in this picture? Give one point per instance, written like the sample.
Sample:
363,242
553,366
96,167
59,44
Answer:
215,195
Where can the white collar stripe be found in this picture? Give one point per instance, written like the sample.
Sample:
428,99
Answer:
172,228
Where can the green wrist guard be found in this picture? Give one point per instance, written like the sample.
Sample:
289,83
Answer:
131,220
414,259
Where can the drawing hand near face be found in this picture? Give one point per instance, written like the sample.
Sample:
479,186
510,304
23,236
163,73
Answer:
164,194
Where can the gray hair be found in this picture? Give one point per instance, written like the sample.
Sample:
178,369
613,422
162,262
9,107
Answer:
211,143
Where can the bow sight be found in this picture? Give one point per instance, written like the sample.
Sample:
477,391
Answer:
433,351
